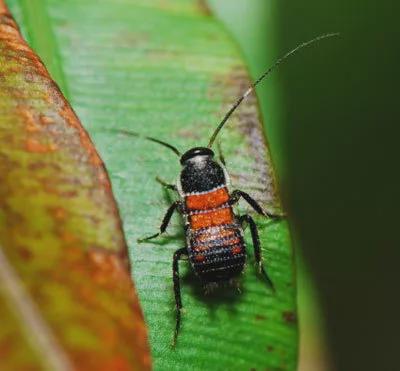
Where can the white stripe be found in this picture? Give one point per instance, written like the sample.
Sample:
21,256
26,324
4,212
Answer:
215,229
205,192
206,211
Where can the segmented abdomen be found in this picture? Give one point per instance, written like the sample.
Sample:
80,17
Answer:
216,247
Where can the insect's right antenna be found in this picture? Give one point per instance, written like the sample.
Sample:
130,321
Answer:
134,134
264,75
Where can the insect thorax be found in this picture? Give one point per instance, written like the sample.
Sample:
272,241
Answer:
201,174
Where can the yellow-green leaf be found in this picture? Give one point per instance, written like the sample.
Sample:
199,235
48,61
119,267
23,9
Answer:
66,297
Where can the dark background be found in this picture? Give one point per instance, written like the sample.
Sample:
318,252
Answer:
332,119
341,130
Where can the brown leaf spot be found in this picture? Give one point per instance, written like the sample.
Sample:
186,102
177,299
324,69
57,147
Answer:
24,253
46,120
202,4
6,346
72,120
116,364
39,165
107,264
68,237
30,123
33,145
289,317
58,213
110,337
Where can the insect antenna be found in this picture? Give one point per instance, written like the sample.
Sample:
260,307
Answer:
265,74
155,140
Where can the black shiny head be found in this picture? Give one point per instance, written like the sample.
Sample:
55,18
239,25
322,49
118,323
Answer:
200,173
197,151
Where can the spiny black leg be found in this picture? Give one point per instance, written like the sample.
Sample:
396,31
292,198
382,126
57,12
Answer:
165,222
220,153
172,187
235,196
257,249
177,290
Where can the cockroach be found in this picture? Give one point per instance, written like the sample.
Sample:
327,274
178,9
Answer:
215,246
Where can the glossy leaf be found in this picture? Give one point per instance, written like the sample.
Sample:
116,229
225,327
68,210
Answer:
168,69
66,298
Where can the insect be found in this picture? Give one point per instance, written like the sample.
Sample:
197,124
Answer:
215,245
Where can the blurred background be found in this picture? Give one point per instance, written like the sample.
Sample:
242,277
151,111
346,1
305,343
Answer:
331,119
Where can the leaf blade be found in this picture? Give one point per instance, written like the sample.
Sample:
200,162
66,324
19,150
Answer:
60,232
167,69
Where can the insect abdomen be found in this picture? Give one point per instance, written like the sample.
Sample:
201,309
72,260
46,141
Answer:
216,247
217,253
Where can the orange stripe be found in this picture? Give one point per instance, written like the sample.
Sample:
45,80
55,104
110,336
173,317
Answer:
236,250
213,218
233,242
200,258
208,200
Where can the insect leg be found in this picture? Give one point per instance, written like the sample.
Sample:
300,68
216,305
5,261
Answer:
172,187
235,197
256,244
167,218
177,290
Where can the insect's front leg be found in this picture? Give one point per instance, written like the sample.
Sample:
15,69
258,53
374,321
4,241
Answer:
235,197
167,185
177,290
177,205
257,247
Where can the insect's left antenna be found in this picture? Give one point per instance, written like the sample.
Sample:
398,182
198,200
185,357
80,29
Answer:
155,140
262,77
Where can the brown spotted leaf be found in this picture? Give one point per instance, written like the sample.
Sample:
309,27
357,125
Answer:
66,296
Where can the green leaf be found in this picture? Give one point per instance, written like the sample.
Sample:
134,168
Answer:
168,69
66,297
